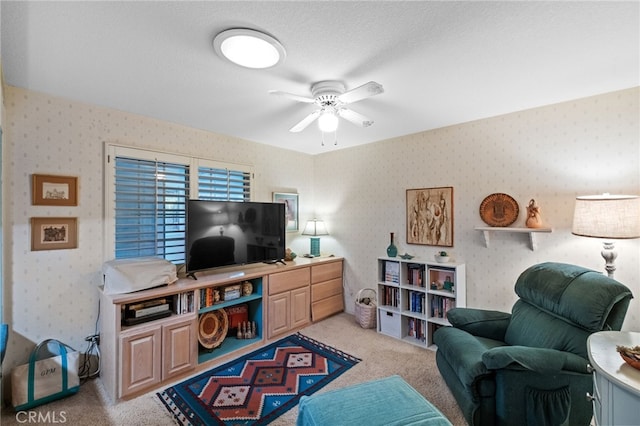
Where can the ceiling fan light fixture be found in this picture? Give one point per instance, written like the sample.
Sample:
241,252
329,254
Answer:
249,48
328,121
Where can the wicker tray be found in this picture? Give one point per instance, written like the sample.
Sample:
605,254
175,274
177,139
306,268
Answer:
499,210
631,361
212,328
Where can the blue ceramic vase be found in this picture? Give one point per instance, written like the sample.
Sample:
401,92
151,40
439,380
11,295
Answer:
392,250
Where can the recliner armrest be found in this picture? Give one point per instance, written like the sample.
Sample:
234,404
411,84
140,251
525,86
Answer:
540,360
480,322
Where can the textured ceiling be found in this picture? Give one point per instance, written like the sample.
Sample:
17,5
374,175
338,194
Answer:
441,63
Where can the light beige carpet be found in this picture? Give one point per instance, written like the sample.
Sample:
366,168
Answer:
381,356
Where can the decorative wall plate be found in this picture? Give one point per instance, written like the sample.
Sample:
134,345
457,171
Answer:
212,328
499,210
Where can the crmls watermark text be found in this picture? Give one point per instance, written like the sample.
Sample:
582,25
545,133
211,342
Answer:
38,417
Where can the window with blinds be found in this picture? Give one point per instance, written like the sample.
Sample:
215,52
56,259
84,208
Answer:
150,208
150,197
223,184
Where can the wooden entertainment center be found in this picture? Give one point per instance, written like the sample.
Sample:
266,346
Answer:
137,355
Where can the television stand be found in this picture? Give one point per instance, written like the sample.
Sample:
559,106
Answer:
139,357
273,262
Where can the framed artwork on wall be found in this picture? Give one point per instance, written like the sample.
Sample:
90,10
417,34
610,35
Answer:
54,233
50,190
430,216
290,200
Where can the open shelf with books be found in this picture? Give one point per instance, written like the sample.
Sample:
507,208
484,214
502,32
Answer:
144,311
414,297
242,306
230,295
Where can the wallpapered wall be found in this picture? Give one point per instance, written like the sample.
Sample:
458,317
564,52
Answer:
551,154
53,294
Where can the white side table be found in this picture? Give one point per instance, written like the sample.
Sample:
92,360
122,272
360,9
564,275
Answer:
616,385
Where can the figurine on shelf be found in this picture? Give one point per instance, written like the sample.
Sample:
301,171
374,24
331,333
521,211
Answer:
216,296
448,284
247,330
534,220
289,255
247,288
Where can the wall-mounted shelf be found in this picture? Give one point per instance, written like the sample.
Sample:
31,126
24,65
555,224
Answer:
487,230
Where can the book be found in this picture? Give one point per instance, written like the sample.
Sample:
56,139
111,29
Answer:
415,275
143,312
146,304
392,272
184,303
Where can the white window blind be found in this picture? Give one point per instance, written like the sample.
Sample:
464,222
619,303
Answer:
146,208
150,208
223,184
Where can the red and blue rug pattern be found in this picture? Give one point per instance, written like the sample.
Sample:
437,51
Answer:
258,387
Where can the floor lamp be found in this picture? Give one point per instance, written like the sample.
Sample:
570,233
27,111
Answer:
610,217
315,228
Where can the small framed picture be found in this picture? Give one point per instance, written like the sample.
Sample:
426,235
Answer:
50,190
430,216
54,233
291,208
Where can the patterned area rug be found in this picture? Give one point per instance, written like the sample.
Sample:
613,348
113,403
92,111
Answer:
258,387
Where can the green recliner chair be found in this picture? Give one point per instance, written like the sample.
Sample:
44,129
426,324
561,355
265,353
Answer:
530,367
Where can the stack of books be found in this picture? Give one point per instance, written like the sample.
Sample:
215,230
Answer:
148,310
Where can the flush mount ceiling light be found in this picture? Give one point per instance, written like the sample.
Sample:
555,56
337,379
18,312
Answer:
249,48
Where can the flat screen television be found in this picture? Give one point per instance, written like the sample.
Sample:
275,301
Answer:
223,233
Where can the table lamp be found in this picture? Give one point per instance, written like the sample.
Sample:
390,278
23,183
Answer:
314,228
220,218
610,217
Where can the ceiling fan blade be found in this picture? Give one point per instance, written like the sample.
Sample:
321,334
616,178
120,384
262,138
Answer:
305,122
354,117
296,98
366,90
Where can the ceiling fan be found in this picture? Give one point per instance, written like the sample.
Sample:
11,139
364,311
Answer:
331,98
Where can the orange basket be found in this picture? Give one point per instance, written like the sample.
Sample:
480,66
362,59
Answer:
630,360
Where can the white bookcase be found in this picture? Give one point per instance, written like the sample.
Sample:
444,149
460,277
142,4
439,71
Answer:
414,296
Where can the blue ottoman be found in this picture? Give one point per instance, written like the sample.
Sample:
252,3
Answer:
384,402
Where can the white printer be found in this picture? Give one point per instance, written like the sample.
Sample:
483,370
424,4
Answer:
129,275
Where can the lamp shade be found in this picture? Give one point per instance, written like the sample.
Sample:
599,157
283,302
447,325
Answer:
315,227
220,217
607,216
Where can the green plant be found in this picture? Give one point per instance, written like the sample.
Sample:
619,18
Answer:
443,253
